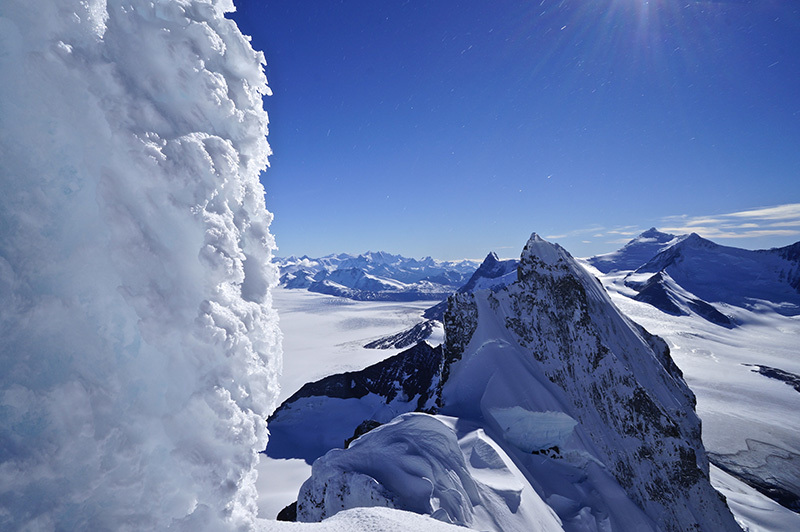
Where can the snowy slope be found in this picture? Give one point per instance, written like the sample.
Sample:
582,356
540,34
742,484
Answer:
635,253
140,353
661,291
719,274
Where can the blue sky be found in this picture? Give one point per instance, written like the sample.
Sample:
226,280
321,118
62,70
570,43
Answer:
451,129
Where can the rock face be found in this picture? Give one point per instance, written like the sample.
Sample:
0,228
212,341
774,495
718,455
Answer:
554,342
419,332
322,415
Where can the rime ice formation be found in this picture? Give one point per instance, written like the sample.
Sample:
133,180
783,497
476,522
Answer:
140,351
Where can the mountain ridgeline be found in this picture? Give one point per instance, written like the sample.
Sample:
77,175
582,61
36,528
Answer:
375,276
688,274
587,404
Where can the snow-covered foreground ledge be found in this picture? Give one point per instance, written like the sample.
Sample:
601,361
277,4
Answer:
431,465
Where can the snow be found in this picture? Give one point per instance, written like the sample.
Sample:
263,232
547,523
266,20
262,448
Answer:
749,421
324,335
140,350
533,431
417,463
376,519
754,512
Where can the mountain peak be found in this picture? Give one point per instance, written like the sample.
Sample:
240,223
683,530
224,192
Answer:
551,352
492,274
542,251
654,233
694,238
635,253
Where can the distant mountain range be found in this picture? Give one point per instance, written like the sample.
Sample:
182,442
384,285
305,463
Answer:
678,274
375,276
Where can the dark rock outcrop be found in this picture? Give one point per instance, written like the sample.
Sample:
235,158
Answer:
417,333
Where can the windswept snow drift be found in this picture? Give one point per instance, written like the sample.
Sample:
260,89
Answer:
418,463
140,351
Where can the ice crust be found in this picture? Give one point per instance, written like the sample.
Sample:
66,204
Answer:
140,351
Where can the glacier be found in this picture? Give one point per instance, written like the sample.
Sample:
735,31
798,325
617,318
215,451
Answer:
140,348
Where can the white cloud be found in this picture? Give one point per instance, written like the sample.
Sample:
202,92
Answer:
577,232
789,212
778,220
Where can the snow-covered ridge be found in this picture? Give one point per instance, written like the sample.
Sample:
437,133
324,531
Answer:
689,275
140,351
635,253
492,274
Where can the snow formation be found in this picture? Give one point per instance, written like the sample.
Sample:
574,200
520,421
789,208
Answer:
140,351
418,463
